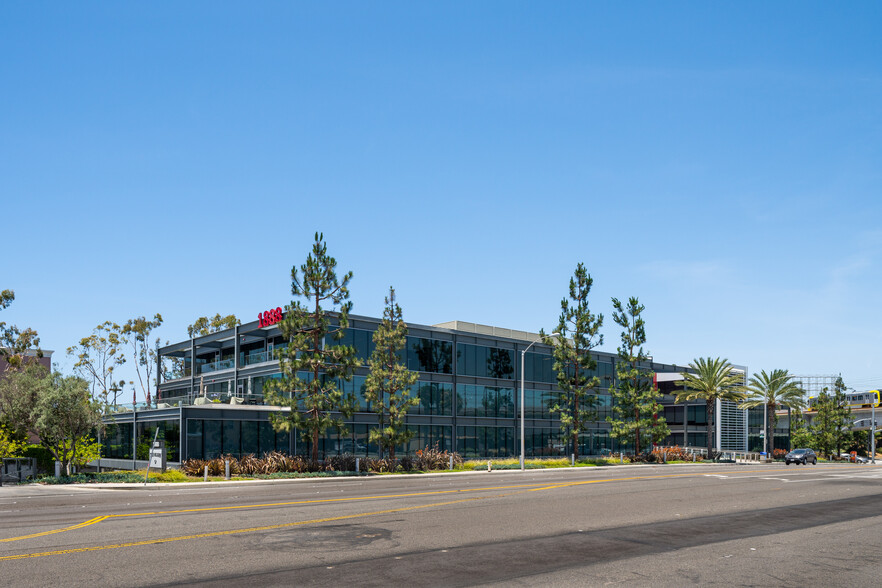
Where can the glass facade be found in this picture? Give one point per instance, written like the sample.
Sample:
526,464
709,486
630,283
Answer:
468,397
210,438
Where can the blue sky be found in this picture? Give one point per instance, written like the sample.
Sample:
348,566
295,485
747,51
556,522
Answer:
720,161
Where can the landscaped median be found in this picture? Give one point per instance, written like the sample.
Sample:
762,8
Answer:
282,466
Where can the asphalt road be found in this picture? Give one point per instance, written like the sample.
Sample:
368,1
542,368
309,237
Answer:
643,526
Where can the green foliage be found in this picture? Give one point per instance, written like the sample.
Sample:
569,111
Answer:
842,418
9,445
389,382
636,405
433,458
711,379
773,390
276,463
98,355
65,417
824,424
136,334
206,326
45,461
16,345
832,423
316,402
579,333
19,391
96,478
800,435
168,476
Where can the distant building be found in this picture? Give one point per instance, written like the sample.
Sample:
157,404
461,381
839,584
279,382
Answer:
31,354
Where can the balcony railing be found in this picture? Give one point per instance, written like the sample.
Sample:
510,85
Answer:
261,357
216,366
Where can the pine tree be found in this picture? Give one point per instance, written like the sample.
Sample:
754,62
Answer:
842,419
315,400
389,382
579,333
800,436
824,424
635,400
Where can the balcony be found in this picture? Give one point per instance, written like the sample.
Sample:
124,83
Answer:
216,366
255,358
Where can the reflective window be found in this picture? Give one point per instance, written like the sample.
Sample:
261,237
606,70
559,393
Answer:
539,367
435,398
486,362
429,355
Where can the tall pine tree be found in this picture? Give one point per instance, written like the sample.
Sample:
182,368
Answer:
311,364
579,333
635,400
389,382
842,419
824,424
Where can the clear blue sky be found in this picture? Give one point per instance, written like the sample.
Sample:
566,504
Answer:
721,161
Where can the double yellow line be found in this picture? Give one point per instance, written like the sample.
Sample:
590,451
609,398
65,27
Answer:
516,487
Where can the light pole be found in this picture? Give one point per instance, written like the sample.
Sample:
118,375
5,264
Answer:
523,355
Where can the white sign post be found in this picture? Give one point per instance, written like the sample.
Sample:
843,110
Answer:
157,456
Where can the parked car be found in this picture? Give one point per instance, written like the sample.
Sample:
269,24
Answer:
802,456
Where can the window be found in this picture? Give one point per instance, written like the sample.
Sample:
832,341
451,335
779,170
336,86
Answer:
696,415
486,362
429,355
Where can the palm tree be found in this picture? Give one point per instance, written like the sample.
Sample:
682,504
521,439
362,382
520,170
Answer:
711,380
772,390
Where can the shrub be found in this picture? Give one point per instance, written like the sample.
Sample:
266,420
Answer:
778,453
194,467
45,461
432,458
675,453
340,463
168,476
87,478
385,465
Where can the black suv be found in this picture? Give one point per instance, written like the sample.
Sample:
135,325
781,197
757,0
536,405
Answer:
802,456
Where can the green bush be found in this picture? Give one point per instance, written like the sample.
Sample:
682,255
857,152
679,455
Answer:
45,461
168,476
94,478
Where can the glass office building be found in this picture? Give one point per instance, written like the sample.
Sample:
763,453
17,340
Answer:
210,398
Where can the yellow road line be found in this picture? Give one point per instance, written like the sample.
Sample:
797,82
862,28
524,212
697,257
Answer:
44,533
527,487
321,500
232,532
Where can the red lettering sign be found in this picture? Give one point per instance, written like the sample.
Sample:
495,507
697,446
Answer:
270,317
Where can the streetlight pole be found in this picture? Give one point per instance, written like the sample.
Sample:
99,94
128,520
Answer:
523,356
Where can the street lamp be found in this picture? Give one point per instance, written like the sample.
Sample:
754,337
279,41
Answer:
523,355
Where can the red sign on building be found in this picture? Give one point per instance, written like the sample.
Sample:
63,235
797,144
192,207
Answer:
270,317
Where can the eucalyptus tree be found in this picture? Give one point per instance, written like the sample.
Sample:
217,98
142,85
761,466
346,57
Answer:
98,356
578,332
16,344
389,382
206,326
636,404
136,334
710,380
773,389
313,360
65,418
